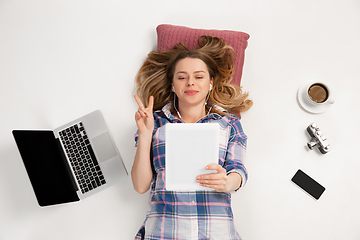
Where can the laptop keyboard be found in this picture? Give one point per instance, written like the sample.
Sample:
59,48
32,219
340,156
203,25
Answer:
82,158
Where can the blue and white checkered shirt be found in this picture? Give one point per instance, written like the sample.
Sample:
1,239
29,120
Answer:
193,214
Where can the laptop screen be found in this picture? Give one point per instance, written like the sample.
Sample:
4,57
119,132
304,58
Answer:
46,166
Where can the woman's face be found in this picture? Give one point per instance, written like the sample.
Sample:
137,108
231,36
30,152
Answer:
191,81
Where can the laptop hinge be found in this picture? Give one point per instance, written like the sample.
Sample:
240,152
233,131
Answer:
63,157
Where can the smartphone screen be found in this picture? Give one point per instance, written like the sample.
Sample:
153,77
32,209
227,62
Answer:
308,184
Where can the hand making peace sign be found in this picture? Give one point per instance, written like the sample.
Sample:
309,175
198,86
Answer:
144,116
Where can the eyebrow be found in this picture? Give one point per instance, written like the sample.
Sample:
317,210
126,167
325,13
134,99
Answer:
198,71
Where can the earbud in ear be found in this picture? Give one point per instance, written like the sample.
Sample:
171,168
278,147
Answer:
210,87
173,88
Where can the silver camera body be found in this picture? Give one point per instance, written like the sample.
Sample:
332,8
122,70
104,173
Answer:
317,139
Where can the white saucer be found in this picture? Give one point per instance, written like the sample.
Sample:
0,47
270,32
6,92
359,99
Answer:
302,101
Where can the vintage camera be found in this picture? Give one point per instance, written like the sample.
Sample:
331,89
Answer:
318,139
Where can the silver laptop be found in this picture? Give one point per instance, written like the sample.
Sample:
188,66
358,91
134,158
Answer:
71,162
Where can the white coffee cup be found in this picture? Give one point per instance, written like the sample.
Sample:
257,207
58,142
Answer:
318,93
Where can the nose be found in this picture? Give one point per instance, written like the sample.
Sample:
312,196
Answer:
190,81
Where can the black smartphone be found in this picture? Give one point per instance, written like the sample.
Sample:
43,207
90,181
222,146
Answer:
308,184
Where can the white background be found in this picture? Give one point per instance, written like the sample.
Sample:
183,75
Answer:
50,48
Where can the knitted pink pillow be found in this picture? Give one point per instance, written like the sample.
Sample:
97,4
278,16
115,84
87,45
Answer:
169,35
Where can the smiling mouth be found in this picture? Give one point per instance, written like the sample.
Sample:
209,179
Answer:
191,92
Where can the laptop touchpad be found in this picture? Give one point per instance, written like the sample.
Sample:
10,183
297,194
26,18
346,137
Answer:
104,147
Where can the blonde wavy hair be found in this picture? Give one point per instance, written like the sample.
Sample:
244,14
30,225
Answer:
156,75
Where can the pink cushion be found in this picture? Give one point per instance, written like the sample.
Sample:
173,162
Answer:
169,35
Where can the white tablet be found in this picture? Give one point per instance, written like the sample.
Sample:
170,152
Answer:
189,148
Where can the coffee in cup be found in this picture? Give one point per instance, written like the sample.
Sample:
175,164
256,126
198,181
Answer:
318,93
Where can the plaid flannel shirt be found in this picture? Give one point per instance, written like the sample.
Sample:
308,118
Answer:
194,214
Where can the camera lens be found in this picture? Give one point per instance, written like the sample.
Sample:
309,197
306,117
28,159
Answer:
312,144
